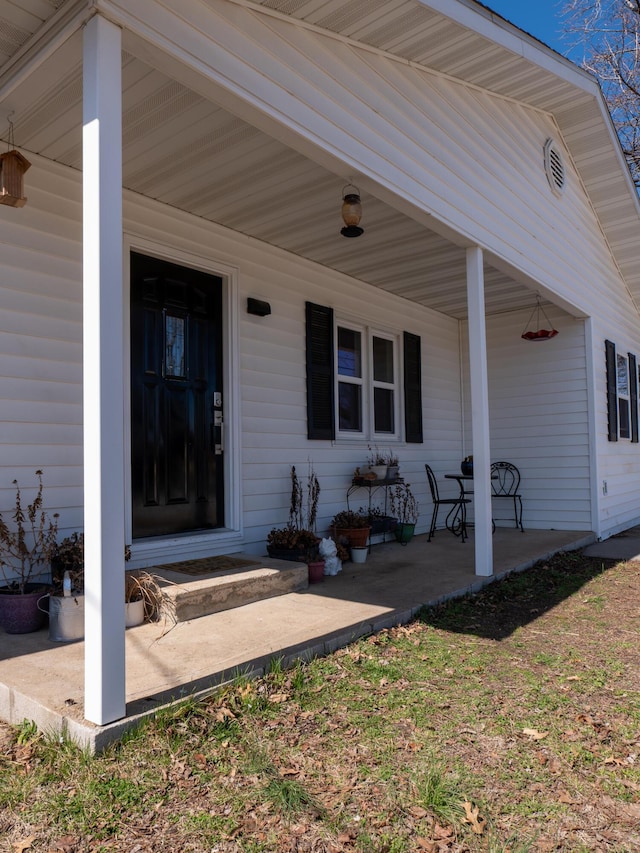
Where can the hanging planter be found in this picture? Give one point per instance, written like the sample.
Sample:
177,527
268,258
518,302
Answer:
13,165
534,331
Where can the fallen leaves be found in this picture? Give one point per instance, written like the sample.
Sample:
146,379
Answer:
534,734
472,816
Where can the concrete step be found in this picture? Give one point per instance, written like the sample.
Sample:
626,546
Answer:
190,598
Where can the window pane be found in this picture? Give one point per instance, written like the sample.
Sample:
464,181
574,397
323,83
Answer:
383,410
382,360
174,364
349,352
623,376
350,407
623,416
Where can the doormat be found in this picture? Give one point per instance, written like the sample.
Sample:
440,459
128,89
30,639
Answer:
207,565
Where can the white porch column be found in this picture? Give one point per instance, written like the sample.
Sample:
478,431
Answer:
479,412
104,663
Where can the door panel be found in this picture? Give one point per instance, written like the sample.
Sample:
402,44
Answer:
176,376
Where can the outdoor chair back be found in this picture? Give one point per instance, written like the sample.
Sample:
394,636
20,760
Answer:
505,483
456,520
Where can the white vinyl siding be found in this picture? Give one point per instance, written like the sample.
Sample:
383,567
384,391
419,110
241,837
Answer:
41,345
41,353
538,406
472,162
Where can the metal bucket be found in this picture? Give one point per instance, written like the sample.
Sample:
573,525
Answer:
66,618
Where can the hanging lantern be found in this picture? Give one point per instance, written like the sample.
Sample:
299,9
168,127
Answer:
12,168
534,331
351,212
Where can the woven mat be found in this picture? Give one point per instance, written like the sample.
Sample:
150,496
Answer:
207,565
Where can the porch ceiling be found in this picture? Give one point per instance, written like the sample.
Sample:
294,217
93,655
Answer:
186,151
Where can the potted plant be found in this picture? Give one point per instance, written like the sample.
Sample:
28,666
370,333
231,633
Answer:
315,563
297,539
66,599
380,523
377,461
144,598
290,543
351,528
406,509
26,549
393,465
143,594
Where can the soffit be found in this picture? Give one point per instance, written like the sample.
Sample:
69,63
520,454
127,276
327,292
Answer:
468,41
288,201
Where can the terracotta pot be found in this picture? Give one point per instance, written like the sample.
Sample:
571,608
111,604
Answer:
356,536
316,571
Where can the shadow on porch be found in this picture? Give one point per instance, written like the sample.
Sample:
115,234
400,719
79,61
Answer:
43,681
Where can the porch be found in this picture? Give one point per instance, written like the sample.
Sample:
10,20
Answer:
43,681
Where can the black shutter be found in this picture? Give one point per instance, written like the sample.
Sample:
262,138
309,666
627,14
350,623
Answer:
612,390
633,394
412,388
320,387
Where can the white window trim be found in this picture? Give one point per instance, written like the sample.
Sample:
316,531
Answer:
367,383
362,381
393,386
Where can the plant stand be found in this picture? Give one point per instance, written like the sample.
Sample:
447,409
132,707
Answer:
372,486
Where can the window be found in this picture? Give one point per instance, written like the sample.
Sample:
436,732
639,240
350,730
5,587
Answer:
384,386
358,379
349,380
622,393
622,375
174,347
367,392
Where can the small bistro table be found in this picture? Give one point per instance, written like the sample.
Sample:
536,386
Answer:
458,524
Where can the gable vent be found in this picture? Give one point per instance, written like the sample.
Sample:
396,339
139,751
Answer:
554,167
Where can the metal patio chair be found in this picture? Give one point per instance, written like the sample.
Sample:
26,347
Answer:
456,520
505,484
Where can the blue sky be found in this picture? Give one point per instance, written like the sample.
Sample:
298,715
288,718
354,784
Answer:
540,18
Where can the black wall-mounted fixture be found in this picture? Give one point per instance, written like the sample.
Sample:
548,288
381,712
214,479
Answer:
258,307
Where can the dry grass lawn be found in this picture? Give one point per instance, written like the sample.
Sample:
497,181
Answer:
505,722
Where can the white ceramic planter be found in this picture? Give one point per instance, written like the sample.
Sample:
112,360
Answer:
379,470
134,613
359,555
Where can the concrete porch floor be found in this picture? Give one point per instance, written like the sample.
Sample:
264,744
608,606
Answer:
43,681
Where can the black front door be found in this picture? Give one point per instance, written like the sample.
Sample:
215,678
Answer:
176,398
